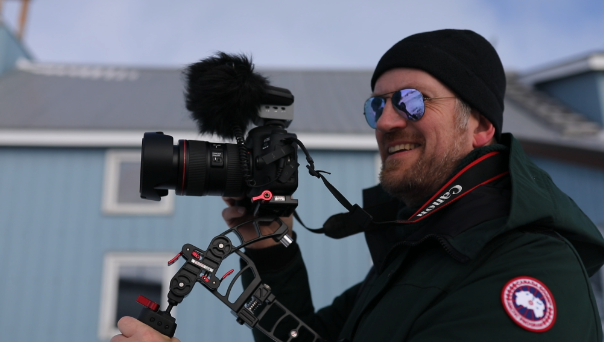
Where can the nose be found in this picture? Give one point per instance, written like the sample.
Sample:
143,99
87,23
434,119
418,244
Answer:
390,120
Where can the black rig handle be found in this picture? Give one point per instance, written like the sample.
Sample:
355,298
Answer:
252,304
161,321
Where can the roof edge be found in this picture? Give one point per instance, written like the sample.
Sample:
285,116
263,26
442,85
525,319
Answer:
591,62
579,155
550,111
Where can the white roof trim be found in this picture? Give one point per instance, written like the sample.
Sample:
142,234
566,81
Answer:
112,138
105,73
594,62
334,141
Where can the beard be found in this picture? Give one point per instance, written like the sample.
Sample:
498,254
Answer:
419,181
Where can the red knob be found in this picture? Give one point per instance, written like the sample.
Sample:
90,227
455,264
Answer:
265,196
227,274
174,259
148,303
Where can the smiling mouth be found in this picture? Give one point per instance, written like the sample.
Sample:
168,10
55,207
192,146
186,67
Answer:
402,147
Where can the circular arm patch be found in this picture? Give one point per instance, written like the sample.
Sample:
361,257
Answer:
529,303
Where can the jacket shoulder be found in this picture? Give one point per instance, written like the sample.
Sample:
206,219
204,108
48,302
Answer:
528,253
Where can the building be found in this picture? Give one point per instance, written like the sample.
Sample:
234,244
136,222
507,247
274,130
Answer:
77,239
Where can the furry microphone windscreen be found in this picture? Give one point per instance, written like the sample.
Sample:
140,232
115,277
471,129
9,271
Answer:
223,90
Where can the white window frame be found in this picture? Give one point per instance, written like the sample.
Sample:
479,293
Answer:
109,290
110,206
378,166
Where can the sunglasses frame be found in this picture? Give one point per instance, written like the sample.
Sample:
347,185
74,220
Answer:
406,115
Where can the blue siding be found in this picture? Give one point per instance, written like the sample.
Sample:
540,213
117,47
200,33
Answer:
584,185
10,49
333,261
54,238
584,93
600,89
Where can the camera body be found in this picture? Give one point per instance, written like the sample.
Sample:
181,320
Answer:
266,161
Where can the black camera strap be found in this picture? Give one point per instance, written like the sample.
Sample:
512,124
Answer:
337,194
482,171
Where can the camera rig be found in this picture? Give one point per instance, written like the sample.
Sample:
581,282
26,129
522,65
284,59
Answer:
253,303
224,95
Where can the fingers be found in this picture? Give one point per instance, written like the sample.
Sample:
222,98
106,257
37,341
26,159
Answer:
289,221
233,213
162,338
129,325
230,201
134,330
119,338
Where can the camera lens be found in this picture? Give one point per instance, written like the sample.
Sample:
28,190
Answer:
191,168
209,169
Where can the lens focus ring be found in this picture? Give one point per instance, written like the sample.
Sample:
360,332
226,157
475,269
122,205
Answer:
234,185
219,178
196,170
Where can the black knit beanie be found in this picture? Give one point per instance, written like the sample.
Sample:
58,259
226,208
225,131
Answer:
461,59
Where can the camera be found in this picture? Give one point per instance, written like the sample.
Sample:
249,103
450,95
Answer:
263,168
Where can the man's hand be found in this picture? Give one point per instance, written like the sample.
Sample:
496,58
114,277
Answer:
234,215
134,330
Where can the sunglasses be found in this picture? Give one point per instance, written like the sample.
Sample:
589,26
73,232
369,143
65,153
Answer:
408,103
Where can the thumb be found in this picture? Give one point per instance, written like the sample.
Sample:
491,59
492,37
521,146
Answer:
129,326
135,330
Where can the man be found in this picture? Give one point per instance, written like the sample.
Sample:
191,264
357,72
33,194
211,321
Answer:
484,249
470,240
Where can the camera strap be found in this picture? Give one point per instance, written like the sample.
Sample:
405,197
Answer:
482,171
355,209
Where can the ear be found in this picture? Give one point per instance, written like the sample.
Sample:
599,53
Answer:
484,131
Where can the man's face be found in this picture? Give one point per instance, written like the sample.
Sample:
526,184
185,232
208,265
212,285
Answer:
418,156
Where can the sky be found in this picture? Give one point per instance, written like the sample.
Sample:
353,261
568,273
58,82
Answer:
310,34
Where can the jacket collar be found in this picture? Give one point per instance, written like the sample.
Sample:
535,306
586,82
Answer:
527,197
481,204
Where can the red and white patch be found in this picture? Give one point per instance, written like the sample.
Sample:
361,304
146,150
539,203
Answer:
529,303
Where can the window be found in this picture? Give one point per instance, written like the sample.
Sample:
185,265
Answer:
121,188
125,277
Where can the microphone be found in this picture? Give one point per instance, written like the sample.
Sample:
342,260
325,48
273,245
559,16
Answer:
223,91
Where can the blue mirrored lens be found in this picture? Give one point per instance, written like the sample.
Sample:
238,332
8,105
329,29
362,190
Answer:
409,103
374,107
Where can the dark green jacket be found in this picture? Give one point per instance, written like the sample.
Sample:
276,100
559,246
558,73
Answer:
441,279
